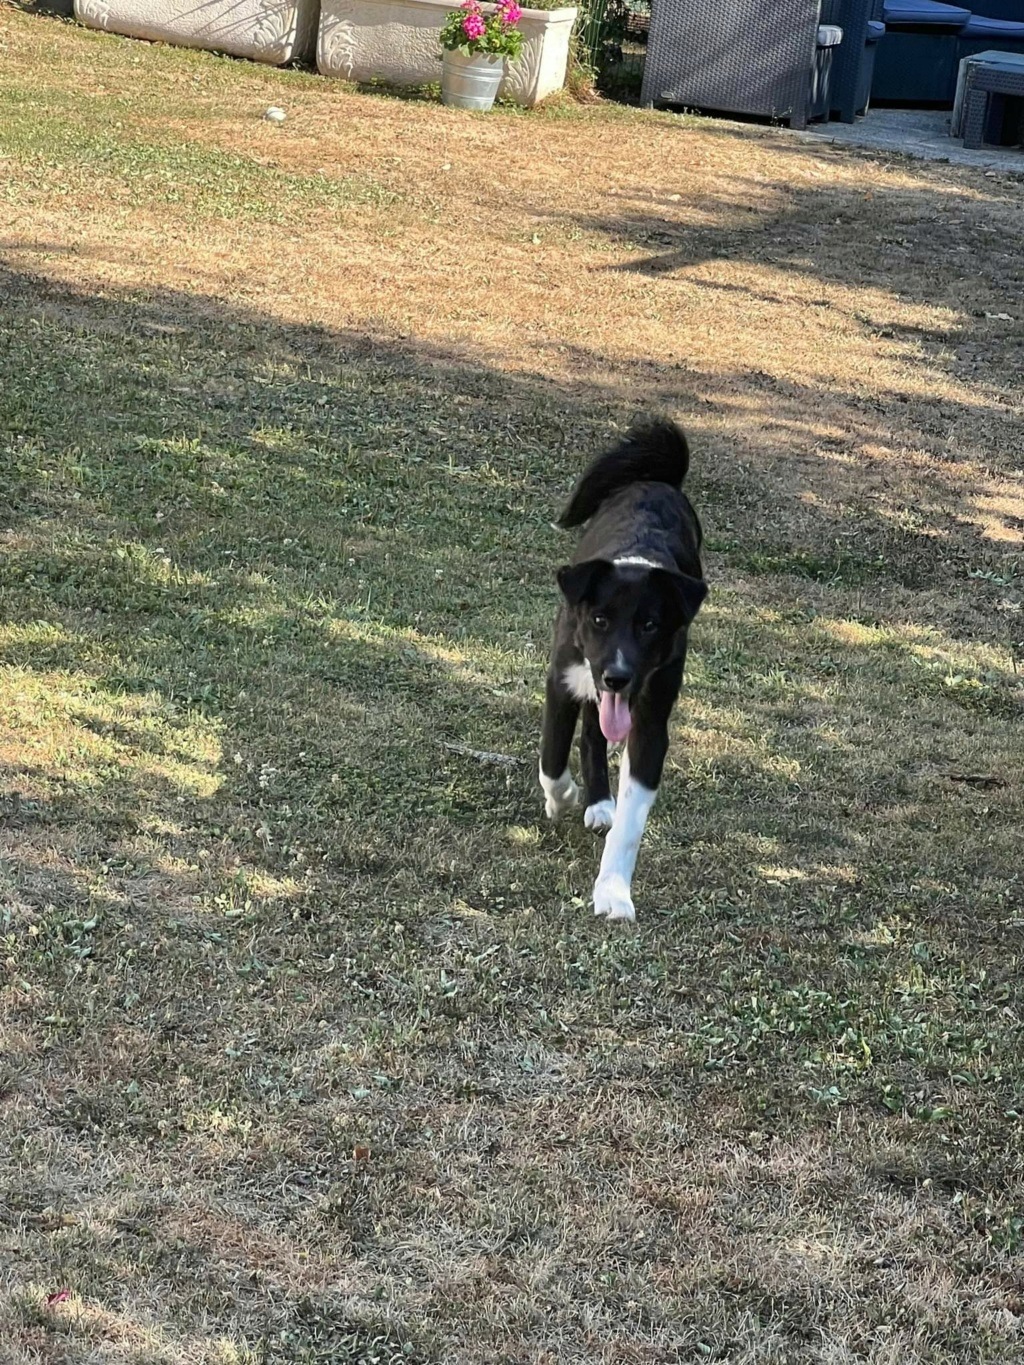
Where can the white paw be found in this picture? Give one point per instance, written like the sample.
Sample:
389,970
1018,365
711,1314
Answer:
600,815
612,898
560,796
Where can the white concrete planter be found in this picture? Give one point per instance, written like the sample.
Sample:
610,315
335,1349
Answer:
274,31
396,41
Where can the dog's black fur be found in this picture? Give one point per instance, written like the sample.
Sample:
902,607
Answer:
629,596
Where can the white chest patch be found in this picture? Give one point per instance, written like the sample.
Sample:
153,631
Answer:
579,680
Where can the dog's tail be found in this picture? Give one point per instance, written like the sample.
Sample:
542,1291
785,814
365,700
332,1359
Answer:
650,452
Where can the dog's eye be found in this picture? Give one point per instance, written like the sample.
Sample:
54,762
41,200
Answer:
649,626
599,621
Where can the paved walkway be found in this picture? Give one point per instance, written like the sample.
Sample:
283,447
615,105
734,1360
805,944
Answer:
914,132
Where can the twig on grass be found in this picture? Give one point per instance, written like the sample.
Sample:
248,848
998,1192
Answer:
484,755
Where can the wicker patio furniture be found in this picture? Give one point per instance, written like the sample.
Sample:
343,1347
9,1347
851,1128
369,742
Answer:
994,88
982,34
747,57
917,60
854,59
964,75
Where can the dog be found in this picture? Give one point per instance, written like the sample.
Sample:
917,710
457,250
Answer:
620,636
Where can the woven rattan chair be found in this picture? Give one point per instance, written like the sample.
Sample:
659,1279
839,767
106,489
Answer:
735,56
1003,79
848,64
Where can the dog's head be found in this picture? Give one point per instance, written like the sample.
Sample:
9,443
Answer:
627,619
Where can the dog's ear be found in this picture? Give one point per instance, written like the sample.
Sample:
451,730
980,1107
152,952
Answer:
578,581
682,593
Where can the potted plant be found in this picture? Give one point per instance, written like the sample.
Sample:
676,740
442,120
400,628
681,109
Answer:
395,42
476,47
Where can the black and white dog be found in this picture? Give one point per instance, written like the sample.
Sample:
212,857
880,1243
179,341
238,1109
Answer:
630,594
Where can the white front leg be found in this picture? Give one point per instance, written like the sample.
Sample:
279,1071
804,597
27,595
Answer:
612,890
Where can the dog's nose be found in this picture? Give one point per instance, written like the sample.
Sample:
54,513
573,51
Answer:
616,679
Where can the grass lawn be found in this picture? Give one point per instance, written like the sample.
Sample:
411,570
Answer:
311,1049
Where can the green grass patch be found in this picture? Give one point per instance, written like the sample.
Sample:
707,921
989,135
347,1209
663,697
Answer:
75,141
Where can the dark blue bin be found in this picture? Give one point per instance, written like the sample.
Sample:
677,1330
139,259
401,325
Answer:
917,62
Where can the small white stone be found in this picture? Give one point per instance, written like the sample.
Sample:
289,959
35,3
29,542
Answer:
274,115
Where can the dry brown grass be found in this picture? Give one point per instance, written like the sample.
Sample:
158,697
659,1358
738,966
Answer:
310,1049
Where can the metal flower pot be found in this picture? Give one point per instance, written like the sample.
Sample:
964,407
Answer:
470,82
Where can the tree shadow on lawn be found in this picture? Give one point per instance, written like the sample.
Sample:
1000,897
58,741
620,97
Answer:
903,386
188,553
918,243
254,578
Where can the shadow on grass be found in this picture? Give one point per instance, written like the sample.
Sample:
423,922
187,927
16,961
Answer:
210,509
255,578
913,239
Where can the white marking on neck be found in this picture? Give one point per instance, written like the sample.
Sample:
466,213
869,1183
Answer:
638,560
560,793
613,888
579,680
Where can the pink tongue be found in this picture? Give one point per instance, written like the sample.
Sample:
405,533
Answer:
614,717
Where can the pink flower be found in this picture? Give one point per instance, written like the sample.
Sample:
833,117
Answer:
510,13
473,26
